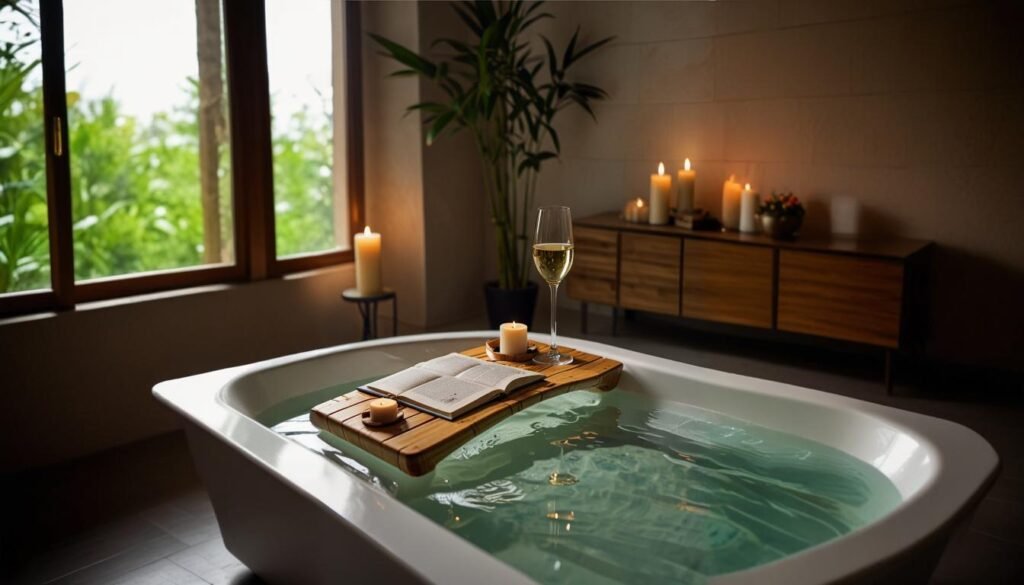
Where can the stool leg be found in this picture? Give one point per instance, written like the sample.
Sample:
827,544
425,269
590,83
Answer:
394,316
364,312
373,323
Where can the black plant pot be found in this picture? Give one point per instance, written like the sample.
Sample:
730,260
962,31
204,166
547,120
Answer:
510,304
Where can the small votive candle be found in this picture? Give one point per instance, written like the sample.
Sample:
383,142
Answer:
383,410
635,211
512,339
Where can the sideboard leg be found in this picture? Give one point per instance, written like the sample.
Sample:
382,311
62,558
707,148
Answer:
583,317
888,372
615,321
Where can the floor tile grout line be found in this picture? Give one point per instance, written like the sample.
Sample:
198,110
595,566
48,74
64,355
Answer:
186,569
1001,539
122,552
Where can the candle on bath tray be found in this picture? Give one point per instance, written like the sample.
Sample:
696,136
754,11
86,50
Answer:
731,203
367,248
685,183
512,339
661,191
383,410
748,209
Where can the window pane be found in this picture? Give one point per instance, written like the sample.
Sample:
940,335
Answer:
147,113
305,65
24,239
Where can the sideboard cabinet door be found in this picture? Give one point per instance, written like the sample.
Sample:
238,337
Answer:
842,297
650,273
727,283
594,274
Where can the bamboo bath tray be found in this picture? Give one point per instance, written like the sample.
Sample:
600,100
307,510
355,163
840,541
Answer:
416,444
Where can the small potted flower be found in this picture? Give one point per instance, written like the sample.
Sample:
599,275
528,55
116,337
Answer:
781,215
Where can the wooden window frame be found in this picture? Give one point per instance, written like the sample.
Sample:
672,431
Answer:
251,158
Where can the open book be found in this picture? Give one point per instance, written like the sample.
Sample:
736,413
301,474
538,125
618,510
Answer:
451,385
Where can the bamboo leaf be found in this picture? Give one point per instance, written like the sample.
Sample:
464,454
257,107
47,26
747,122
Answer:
405,56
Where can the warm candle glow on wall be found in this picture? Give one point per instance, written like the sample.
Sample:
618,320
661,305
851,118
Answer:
661,189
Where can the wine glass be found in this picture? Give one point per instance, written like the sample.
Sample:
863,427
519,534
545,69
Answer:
552,254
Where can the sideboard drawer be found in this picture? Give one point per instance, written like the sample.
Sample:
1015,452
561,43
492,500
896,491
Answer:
856,299
728,283
650,273
594,274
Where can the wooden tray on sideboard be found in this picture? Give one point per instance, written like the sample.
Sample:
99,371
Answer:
416,444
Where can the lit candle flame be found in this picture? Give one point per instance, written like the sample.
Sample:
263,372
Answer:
367,230
661,168
747,186
686,165
639,202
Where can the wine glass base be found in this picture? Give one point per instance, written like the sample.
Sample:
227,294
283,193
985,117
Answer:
553,359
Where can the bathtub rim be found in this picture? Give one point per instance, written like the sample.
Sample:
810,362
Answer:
948,495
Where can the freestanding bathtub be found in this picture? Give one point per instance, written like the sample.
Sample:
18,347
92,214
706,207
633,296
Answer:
296,517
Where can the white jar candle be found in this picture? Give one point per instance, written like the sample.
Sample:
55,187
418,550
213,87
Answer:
512,338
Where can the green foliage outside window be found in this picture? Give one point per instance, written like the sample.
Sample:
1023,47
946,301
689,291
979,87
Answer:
136,197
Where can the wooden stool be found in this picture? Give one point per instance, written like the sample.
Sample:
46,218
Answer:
368,309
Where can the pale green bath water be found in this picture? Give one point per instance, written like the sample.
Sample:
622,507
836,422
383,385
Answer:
614,488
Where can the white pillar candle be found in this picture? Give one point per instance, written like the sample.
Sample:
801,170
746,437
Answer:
845,215
367,245
731,203
748,208
661,191
685,183
512,339
383,410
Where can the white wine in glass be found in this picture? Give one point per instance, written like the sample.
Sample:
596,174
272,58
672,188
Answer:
552,255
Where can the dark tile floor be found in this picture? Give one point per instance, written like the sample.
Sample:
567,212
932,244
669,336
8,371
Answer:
139,514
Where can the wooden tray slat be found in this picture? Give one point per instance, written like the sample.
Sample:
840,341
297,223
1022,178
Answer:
416,444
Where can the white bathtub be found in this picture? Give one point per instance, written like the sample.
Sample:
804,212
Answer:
295,517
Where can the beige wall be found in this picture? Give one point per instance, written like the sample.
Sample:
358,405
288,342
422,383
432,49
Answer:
914,108
77,382
426,200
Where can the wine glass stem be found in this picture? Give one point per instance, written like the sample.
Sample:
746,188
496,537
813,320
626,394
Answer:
554,320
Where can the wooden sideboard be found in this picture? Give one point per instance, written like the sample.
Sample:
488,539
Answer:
862,291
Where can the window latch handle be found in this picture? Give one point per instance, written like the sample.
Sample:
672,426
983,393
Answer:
58,136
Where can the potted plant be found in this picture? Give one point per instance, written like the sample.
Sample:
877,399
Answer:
507,96
781,215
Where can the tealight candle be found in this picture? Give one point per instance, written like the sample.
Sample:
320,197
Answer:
748,209
512,339
383,410
686,180
367,248
731,203
661,187
635,211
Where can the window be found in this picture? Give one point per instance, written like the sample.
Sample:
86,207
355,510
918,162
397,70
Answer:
150,181
24,225
136,144
303,56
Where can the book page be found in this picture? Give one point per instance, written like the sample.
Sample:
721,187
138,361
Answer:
446,394
399,382
452,364
494,375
